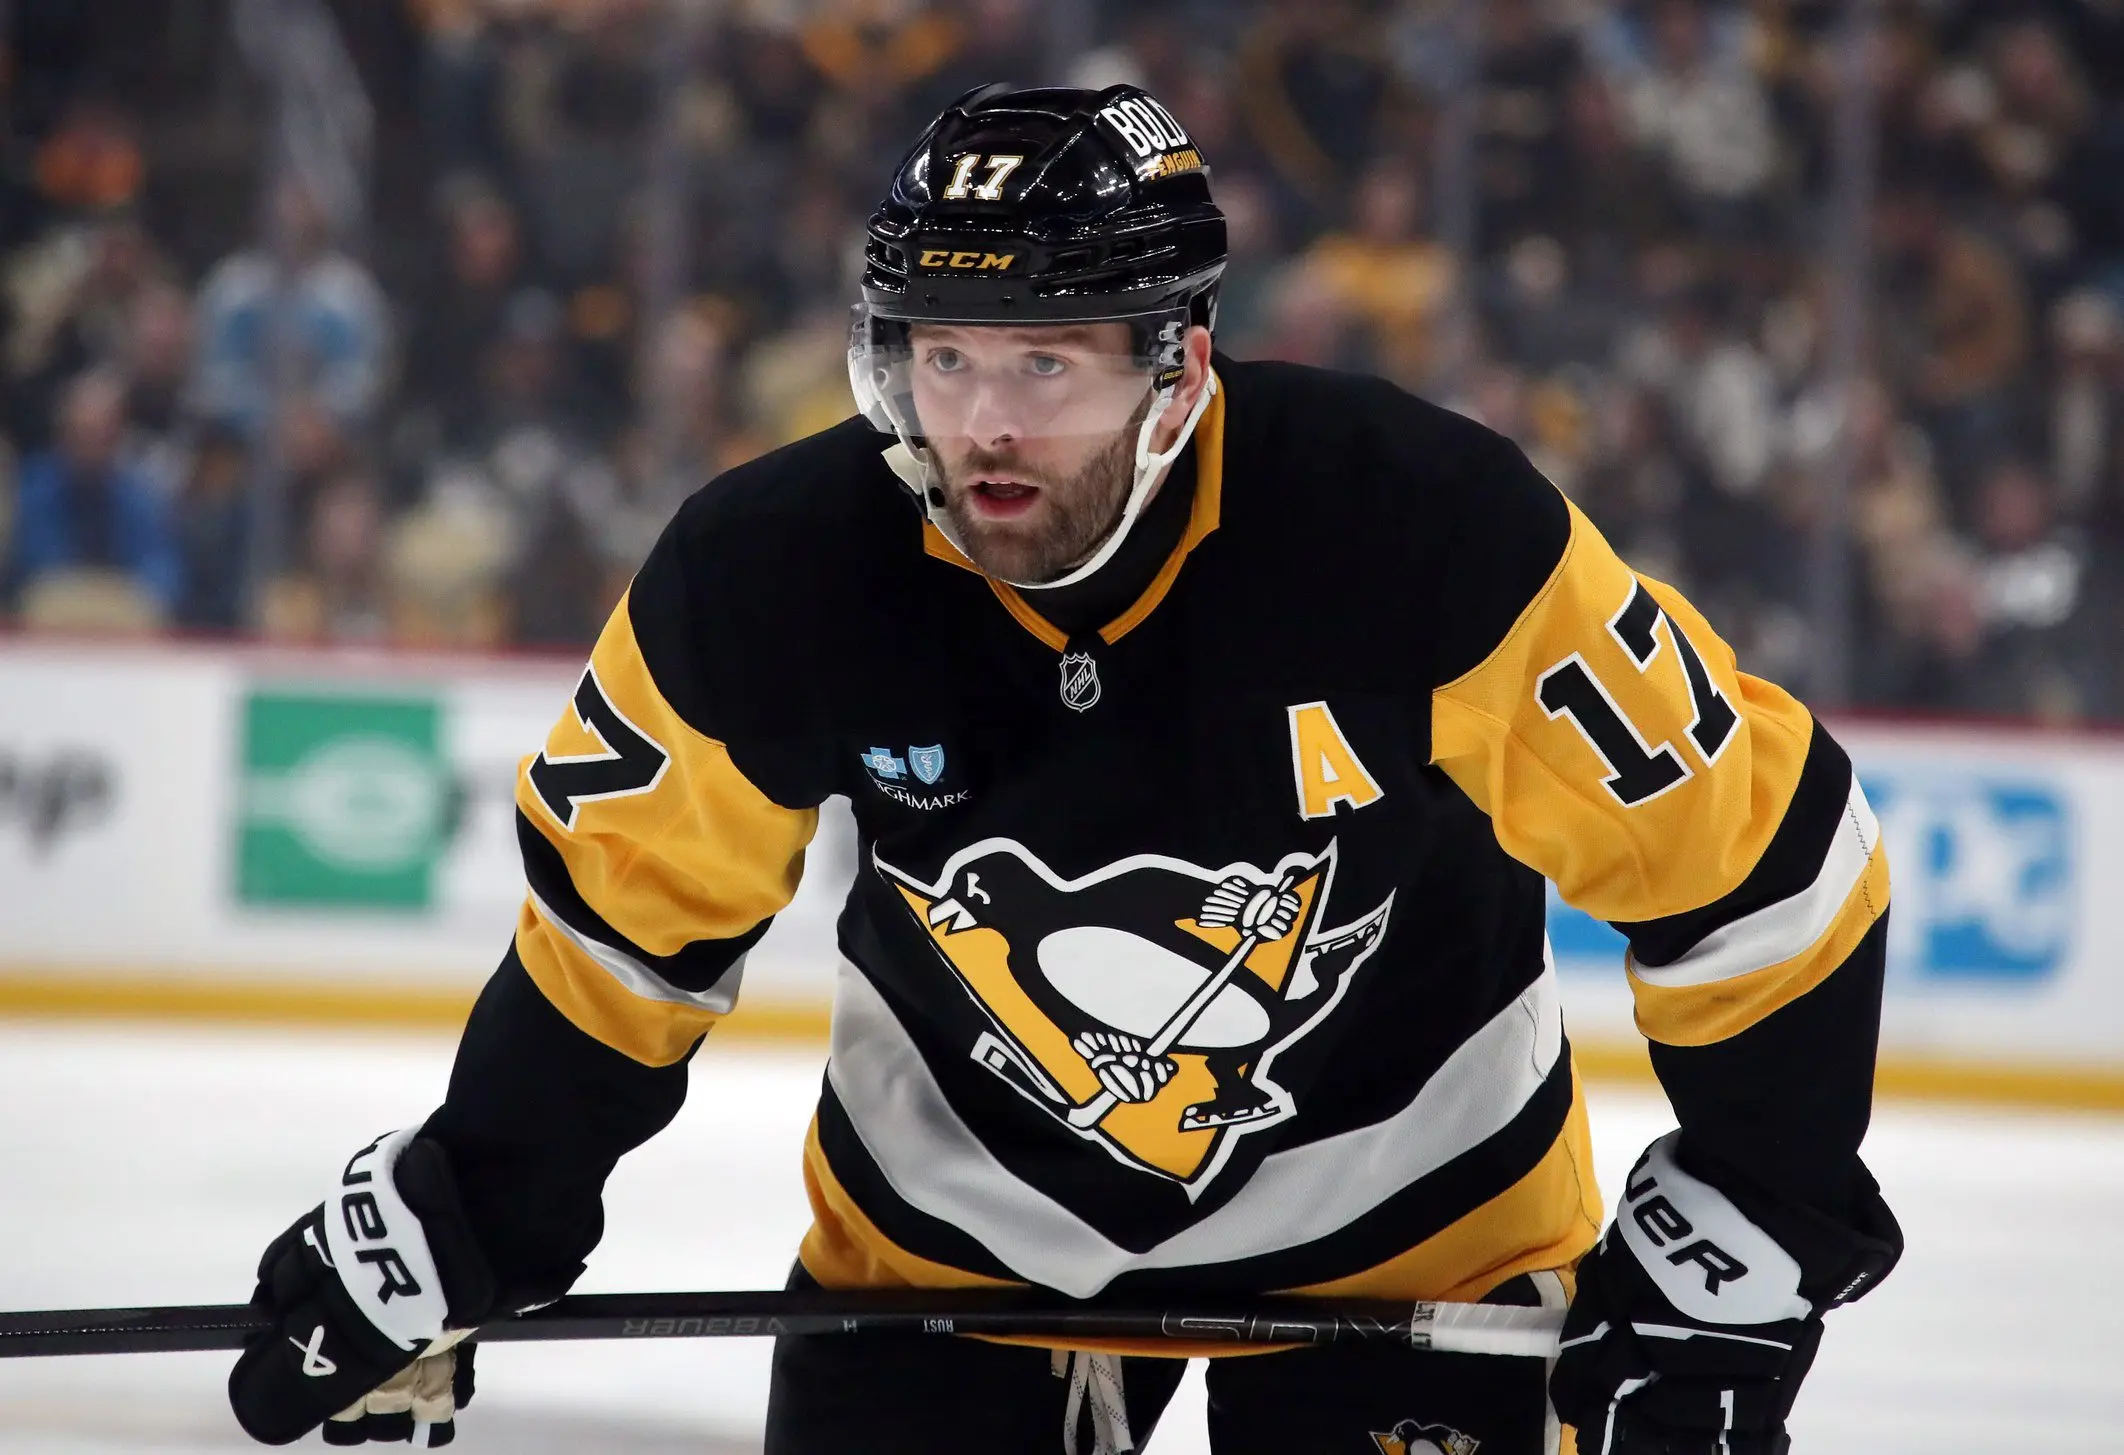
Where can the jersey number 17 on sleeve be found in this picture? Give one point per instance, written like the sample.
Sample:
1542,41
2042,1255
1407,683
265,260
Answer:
631,763
1637,771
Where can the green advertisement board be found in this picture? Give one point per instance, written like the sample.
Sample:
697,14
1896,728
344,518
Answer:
345,800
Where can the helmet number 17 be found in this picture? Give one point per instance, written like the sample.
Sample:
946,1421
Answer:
991,190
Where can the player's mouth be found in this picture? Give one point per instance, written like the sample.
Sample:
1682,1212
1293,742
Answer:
1003,499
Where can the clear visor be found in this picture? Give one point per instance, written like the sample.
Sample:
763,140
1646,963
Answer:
992,385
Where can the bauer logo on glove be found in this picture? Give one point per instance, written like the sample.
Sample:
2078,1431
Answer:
1710,1261
404,1296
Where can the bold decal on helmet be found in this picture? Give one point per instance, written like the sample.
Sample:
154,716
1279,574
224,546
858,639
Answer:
1146,126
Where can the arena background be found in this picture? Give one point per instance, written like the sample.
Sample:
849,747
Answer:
353,353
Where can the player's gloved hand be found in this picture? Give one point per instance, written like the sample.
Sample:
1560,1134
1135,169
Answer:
417,1405
1700,1311
380,1275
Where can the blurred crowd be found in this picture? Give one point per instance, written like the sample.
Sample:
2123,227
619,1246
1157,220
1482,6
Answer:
484,395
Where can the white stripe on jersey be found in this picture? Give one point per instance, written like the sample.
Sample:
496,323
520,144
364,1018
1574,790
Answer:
1297,1196
639,978
1777,932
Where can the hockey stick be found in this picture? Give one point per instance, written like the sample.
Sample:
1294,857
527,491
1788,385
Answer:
1455,1328
1091,1113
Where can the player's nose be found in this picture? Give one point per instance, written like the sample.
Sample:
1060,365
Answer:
993,417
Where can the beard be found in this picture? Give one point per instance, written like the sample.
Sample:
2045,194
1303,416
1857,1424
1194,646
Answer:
1072,518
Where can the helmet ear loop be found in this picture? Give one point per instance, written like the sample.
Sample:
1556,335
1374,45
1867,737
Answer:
1147,462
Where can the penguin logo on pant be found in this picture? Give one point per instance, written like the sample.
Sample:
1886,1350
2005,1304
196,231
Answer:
1144,1004
1410,1438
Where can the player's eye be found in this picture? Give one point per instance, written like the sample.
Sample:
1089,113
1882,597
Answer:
946,361
1046,365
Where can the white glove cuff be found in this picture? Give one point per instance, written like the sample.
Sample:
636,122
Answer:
1711,1262
377,1246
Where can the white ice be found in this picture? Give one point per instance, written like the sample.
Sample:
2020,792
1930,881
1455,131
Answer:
152,1166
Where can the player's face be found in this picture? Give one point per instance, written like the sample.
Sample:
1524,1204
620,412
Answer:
1034,433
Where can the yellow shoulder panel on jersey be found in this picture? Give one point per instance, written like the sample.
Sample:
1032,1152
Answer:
1618,750
666,850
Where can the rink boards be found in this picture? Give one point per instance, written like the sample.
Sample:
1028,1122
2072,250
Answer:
257,833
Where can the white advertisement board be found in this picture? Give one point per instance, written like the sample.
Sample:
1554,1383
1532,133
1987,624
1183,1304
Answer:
243,813
348,817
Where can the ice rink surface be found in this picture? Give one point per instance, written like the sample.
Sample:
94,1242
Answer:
152,1167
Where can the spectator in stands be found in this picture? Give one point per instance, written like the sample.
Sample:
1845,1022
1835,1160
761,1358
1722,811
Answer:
526,474
83,507
582,137
336,329
2087,353
1527,68
1254,258
1638,478
774,88
71,296
1708,117
1319,91
157,366
998,39
876,56
337,594
2037,140
1608,199
460,83
1387,279
1716,382
460,314
2031,596
1952,321
213,529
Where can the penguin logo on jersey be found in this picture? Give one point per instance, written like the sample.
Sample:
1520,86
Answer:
1144,1004
1410,1438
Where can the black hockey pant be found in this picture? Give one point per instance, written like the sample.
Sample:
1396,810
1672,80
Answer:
920,1394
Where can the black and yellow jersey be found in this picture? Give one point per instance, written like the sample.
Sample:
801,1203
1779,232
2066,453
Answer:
1203,951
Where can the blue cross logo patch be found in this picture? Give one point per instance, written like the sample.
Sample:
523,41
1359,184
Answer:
881,762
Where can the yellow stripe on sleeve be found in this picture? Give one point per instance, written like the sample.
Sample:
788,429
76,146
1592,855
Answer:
654,852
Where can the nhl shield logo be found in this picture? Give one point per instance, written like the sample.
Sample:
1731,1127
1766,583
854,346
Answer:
1080,680
1143,1005
928,763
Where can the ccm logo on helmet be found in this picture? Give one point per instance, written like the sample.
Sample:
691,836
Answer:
1661,1221
979,262
365,1224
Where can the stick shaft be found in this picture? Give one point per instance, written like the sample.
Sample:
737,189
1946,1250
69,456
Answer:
1451,1328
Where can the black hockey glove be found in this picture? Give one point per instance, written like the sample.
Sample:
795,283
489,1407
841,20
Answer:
370,1292
1699,1312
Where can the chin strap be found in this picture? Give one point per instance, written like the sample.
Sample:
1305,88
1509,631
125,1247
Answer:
917,473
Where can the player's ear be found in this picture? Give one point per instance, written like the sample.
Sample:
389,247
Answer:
1196,367
1194,378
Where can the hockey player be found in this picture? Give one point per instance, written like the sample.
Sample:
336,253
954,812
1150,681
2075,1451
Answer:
1210,728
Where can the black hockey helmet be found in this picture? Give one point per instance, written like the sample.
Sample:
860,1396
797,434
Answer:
1047,205
1037,207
